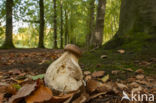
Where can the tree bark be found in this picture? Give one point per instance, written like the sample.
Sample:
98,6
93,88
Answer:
55,25
136,16
42,23
61,26
9,28
66,28
91,22
97,37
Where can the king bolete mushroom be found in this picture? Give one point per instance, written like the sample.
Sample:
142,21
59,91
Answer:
65,74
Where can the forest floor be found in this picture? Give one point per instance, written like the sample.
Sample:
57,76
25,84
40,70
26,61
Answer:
118,64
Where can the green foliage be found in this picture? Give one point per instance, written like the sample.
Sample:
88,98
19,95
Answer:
26,18
111,19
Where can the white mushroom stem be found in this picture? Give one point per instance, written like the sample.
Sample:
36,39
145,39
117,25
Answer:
64,74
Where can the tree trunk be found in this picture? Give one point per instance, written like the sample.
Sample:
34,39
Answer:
91,22
55,25
136,16
61,27
9,28
66,27
41,30
97,37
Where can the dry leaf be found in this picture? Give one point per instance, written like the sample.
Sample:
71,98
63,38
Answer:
105,78
140,77
98,74
134,85
14,71
86,72
136,90
129,69
115,72
40,95
1,97
88,77
103,56
92,85
121,51
139,71
122,86
61,98
23,92
82,98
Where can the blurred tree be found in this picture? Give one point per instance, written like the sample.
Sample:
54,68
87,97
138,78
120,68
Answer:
97,37
8,34
41,29
55,24
90,21
61,24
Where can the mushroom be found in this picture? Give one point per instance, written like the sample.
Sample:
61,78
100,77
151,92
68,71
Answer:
64,74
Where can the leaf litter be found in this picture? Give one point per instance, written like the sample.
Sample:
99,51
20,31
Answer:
17,86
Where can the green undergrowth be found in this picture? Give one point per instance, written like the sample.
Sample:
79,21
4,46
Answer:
135,53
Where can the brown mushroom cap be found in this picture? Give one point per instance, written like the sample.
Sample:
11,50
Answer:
73,48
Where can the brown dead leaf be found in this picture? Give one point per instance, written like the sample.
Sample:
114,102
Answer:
122,86
98,74
136,90
140,76
60,98
82,98
107,87
92,85
139,71
115,72
87,72
144,83
121,51
40,95
134,85
14,71
1,97
88,77
129,69
132,79
103,56
23,92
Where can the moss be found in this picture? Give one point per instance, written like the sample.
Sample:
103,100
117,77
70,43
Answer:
115,61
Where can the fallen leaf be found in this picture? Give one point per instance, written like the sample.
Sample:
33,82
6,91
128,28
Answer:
121,51
122,86
139,71
96,95
115,72
132,79
129,69
61,98
92,85
108,87
87,72
103,56
82,98
40,95
134,85
136,90
1,97
105,78
23,92
14,71
140,77
88,77
40,76
98,74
